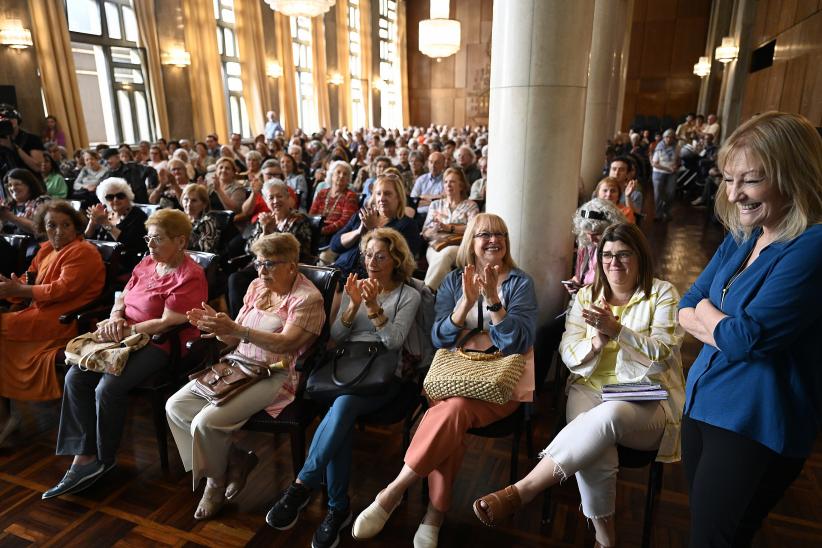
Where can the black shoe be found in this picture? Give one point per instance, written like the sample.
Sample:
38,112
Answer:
76,479
285,512
328,534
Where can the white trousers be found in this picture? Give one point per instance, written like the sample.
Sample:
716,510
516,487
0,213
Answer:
203,431
440,264
587,445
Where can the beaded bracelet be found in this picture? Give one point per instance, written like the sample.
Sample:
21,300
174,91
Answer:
376,314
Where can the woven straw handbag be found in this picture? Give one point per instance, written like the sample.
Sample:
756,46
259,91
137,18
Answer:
487,376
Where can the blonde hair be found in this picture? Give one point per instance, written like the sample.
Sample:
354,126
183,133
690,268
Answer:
492,223
399,189
282,245
607,181
224,160
200,191
790,151
465,188
171,221
404,263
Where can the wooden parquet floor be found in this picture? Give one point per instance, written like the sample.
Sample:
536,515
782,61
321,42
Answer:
138,504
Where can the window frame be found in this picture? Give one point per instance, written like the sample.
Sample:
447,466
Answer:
391,92
223,27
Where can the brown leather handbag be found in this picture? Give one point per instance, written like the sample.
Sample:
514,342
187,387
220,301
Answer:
229,377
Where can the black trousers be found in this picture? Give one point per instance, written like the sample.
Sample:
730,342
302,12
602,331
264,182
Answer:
733,483
94,406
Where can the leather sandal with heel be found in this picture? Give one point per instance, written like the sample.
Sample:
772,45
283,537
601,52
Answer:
211,503
498,505
238,470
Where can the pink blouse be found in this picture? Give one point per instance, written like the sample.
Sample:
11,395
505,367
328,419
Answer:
303,307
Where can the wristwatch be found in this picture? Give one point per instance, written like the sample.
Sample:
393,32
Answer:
494,307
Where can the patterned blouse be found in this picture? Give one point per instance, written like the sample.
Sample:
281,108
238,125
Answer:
302,307
440,212
296,224
205,235
335,211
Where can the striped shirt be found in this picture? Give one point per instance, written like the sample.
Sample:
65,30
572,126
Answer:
649,344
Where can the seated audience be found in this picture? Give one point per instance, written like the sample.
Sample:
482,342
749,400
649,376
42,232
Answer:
26,195
428,187
163,287
336,204
385,209
447,218
487,290
226,192
380,164
380,310
86,181
66,273
169,190
294,179
467,162
282,315
479,186
621,329
608,189
622,168
118,221
56,186
52,132
205,234
589,222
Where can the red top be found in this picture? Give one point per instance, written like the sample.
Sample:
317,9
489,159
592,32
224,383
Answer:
180,291
336,211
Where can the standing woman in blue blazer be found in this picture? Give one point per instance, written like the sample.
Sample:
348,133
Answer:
753,399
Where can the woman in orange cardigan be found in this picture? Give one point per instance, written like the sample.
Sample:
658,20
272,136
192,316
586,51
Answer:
68,273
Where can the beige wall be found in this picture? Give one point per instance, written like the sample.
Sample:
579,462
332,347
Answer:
794,82
454,91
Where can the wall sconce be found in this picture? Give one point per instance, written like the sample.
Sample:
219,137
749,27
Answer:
13,35
703,67
177,57
728,51
274,70
336,79
378,84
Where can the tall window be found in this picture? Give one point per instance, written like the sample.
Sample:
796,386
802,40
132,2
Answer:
355,65
230,60
111,71
301,44
391,93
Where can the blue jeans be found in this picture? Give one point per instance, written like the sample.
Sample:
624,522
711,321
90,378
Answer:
331,447
664,190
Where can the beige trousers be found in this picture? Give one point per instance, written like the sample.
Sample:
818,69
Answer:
203,431
440,264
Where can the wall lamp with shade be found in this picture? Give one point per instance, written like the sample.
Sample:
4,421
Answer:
14,35
703,67
176,57
274,70
378,84
727,51
336,79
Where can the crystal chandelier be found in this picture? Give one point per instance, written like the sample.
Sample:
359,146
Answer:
439,35
703,67
728,51
301,8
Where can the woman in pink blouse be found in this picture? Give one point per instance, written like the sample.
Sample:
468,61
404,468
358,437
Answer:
446,217
282,315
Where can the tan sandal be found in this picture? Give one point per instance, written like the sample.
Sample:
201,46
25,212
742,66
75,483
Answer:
499,505
210,504
238,471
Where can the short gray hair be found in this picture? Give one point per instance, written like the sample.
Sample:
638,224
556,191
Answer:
113,184
275,182
595,216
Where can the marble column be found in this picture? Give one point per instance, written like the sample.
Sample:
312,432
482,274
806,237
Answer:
604,72
616,122
736,72
717,28
539,74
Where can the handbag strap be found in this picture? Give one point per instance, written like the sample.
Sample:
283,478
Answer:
373,350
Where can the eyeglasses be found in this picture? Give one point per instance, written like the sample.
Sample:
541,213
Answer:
155,239
268,265
119,196
376,257
621,256
485,236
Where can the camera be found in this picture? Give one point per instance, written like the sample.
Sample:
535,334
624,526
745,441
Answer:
6,128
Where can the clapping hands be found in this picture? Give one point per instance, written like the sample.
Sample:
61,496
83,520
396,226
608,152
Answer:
215,324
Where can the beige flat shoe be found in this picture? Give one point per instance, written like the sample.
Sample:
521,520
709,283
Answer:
371,521
426,536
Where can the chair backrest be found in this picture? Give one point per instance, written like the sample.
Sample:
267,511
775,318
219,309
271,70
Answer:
326,279
223,217
316,223
148,209
112,253
19,243
211,264
413,202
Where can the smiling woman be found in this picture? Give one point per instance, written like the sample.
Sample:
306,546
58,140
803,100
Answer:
115,219
753,392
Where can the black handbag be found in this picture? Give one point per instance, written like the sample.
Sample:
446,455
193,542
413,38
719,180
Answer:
353,368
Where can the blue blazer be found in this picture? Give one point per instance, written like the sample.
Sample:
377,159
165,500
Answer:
349,257
764,379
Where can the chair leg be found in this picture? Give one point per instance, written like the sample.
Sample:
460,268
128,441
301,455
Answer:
547,508
529,438
297,450
654,488
159,411
515,454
